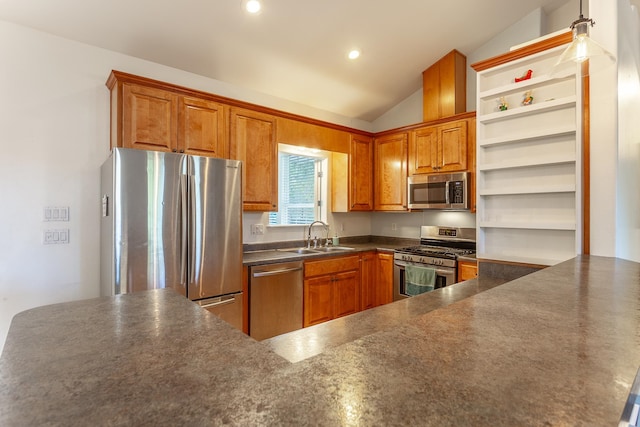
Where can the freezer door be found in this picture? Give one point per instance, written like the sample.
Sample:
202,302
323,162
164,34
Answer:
228,308
147,212
215,227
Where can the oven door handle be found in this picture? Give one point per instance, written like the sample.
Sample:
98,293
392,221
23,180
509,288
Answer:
438,270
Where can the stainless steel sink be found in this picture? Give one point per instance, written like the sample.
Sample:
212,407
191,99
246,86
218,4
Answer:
301,251
306,251
333,248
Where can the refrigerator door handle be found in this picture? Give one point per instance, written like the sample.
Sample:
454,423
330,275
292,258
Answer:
218,302
195,230
183,229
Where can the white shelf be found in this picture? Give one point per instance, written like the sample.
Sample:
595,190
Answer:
533,135
529,204
535,108
521,225
506,191
532,83
530,162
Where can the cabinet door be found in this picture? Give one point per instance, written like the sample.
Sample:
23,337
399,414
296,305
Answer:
467,270
149,118
368,282
318,300
390,193
346,293
361,174
384,278
201,129
252,140
424,151
453,146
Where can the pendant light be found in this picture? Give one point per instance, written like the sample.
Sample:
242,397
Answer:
582,48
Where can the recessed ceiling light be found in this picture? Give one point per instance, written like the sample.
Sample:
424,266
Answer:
354,54
252,6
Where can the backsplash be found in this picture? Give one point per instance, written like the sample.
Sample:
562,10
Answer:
391,224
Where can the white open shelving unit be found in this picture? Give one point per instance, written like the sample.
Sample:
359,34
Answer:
529,167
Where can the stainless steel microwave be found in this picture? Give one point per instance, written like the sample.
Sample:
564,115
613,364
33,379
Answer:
441,191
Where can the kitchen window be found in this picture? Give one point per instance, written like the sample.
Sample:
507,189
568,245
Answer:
301,186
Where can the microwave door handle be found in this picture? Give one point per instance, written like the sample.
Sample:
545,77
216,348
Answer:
446,192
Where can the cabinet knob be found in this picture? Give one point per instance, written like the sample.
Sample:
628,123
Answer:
174,150
182,151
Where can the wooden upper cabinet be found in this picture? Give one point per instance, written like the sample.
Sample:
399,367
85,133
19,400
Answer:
441,148
151,115
444,87
253,140
361,173
201,127
390,172
148,119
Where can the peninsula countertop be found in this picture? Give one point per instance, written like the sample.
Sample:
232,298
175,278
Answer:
556,347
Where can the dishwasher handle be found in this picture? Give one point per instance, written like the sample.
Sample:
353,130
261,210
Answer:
274,272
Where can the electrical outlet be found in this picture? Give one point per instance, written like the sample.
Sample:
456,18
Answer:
56,237
53,213
394,226
257,229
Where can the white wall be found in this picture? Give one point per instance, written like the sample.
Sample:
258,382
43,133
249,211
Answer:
54,128
628,177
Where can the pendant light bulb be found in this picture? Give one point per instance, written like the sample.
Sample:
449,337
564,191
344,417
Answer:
581,49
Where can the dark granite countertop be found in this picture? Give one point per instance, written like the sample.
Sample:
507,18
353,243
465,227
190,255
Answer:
269,253
557,347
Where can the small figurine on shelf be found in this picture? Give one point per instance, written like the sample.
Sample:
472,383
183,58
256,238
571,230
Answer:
525,76
502,106
528,98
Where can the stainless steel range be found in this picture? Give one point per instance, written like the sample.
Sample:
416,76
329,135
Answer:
439,249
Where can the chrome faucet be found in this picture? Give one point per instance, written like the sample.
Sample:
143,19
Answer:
315,242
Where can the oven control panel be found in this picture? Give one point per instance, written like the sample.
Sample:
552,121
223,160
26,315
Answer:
443,262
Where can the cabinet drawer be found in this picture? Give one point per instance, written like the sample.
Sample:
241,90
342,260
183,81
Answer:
331,265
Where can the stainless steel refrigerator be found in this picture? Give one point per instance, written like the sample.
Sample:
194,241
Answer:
173,220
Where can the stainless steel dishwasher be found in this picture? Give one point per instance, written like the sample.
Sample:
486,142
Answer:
275,299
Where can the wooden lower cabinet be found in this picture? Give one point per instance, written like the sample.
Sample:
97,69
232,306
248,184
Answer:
368,280
318,300
331,288
467,270
384,278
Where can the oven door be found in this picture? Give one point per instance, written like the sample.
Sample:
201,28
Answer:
445,276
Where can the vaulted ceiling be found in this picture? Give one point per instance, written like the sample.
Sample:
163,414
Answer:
295,49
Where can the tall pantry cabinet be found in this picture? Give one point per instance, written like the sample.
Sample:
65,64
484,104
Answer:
529,159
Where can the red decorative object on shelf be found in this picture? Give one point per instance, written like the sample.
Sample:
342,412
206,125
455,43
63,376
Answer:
526,76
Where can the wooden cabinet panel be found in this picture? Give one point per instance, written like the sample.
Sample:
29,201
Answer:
467,270
252,140
331,265
201,127
441,148
331,288
295,132
368,282
390,156
346,293
444,87
149,119
318,300
453,146
361,173
384,278
423,150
